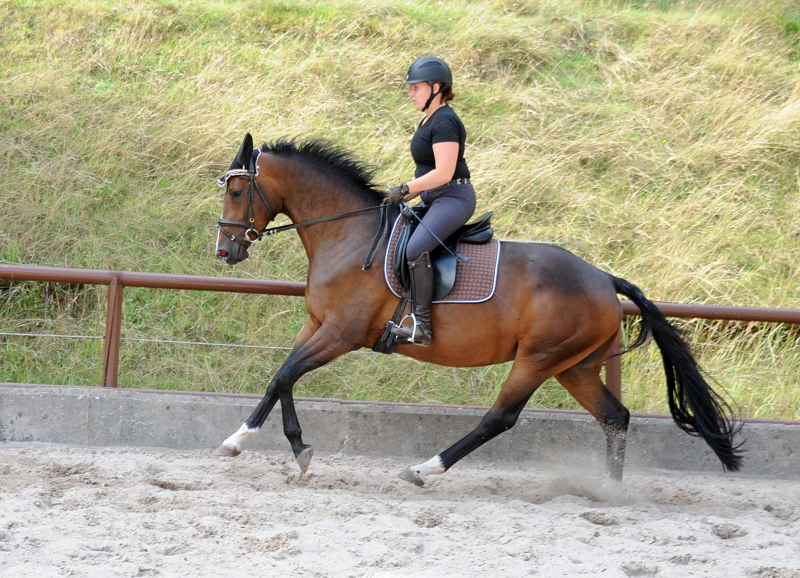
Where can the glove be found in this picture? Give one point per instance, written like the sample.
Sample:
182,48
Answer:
396,194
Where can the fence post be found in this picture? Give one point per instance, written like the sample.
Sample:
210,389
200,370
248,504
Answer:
614,367
112,338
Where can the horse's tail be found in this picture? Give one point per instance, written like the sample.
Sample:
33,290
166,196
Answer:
696,408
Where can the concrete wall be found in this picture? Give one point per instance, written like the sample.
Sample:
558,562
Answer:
93,416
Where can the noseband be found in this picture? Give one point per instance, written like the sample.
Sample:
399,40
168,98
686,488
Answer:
251,234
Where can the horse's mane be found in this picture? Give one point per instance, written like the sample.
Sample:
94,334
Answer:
329,156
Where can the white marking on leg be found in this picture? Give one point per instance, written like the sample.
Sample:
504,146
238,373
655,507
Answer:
432,466
242,435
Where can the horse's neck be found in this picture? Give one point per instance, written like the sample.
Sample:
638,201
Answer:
338,238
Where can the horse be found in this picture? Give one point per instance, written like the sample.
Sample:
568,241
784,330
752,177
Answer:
553,314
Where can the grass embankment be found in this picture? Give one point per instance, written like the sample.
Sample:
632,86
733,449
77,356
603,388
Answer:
657,140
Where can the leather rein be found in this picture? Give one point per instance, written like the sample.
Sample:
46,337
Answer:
251,234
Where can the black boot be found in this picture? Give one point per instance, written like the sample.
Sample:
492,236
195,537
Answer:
421,274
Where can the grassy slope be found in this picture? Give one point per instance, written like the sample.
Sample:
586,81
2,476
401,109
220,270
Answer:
657,140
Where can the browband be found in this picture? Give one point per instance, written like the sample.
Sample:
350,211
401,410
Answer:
240,171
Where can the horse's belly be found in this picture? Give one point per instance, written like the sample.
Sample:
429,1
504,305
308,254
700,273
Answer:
467,336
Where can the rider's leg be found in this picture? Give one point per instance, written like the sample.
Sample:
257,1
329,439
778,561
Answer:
421,274
443,218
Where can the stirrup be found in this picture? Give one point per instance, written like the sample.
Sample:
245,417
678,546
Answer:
396,330
416,338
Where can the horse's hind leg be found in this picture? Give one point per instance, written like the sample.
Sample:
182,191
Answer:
583,382
522,382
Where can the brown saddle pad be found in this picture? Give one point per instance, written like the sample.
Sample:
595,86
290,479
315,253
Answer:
475,280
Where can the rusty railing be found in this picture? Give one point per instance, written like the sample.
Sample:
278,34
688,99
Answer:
117,280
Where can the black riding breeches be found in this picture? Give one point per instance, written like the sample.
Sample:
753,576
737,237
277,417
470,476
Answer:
450,207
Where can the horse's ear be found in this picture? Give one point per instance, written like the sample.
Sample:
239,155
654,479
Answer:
245,153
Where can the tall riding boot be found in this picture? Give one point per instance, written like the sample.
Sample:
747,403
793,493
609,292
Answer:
421,274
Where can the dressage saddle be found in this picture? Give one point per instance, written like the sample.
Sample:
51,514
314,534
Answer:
444,259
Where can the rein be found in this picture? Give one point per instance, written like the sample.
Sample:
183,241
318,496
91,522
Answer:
293,226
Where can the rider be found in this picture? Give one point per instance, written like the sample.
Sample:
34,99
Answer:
441,180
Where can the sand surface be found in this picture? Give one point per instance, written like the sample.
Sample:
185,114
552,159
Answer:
67,511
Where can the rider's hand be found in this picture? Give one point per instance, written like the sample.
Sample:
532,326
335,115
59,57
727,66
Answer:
396,194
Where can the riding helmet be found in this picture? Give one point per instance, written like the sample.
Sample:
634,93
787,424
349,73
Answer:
431,70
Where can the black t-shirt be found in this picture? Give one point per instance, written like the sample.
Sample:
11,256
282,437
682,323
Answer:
443,126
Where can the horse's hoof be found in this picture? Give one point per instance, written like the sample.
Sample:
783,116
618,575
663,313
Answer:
411,476
229,451
305,458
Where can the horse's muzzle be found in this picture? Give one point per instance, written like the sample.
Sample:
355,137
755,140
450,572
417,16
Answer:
238,255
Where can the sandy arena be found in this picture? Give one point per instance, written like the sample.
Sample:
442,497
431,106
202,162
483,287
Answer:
70,511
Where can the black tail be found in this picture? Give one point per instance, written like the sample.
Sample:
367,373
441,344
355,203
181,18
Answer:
696,408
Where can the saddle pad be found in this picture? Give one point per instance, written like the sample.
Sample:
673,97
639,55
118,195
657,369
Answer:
476,280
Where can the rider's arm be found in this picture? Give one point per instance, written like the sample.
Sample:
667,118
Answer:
446,156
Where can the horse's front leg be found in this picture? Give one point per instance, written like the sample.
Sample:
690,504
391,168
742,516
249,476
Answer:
316,346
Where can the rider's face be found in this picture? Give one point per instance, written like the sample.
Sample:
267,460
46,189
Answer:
419,93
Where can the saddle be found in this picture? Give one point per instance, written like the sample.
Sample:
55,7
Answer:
444,259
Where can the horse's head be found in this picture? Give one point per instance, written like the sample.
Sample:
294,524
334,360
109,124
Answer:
246,212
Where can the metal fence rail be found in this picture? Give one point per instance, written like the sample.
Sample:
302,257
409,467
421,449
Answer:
117,280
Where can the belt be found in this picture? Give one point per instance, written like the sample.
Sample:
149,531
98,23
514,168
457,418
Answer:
458,182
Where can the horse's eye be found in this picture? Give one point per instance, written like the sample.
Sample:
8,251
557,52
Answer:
236,194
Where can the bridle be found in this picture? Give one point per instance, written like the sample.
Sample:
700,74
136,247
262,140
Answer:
251,234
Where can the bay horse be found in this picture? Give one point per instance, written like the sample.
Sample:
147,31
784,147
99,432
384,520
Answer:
555,315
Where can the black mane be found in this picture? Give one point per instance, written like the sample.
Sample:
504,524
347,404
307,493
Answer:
329,156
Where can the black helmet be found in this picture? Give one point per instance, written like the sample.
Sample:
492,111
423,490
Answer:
431,70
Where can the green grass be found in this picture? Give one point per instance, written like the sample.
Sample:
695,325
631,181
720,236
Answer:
657,140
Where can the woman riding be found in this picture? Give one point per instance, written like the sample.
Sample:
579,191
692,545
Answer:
441,180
